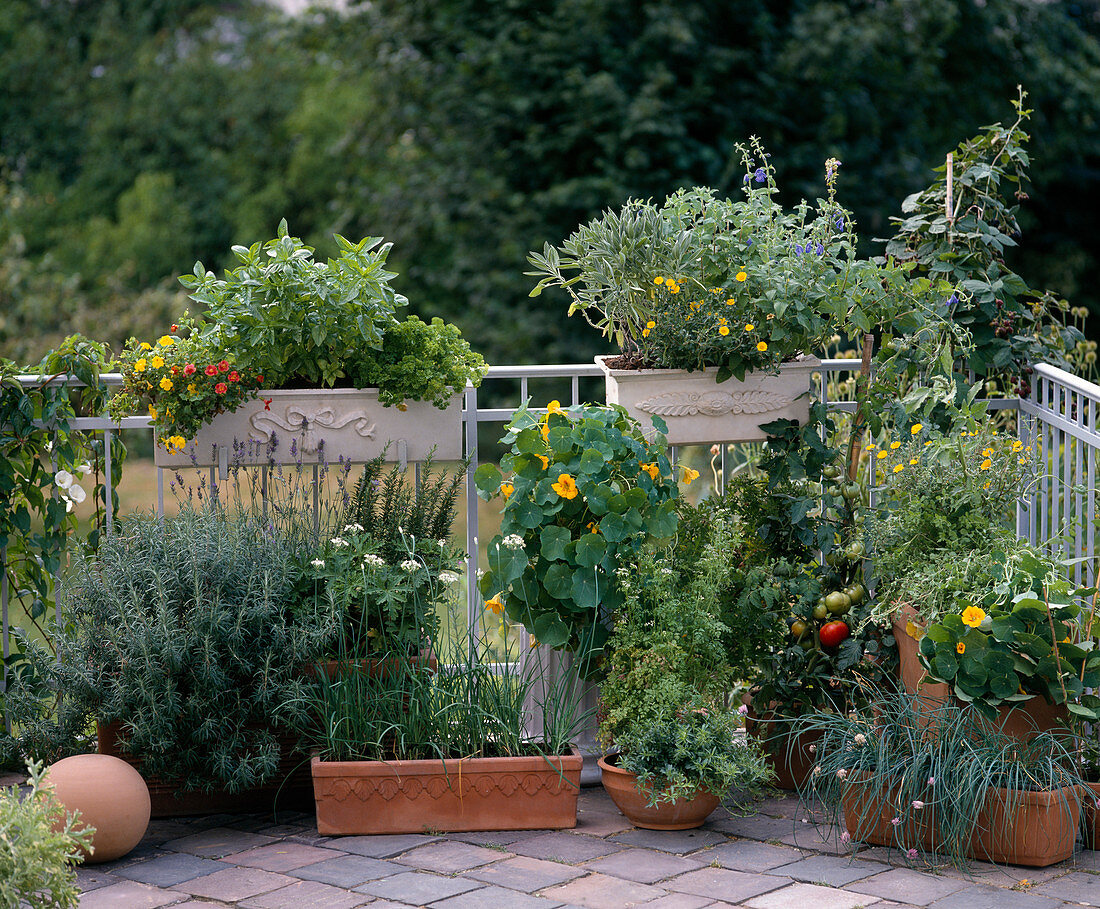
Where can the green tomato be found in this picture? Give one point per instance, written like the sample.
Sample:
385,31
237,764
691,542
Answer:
799,628
837,601
831,471
820,611
856,593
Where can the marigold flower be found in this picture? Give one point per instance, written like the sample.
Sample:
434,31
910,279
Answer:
645,332
895,445
972,616
211,370
729,302
166,341
749,326
191,389
914,460
652,470
650,324
1021,460
157,362
898,468
881,455
741,276
166,384
673,288
145,345
985,465
871,447
139,365
929,442
960,648
658,280
221,388
724,330
1017,446
566,487
762,346
916,428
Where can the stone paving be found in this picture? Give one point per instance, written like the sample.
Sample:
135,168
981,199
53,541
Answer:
776,858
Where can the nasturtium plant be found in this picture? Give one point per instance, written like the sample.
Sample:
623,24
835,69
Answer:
1020,640
584,489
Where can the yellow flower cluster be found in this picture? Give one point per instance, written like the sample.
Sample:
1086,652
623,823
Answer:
670,284
174,444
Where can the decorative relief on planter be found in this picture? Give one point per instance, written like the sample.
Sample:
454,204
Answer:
436,787
699,410
291,426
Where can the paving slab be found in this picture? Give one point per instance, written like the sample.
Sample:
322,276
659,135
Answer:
418,888
750,855
307,895
907,886
282,856
450,857
234,884
1087,860
600,891
495,898
501,838
218,842
128,895
645,866
679,901
565,847
979,896
725,884
1076,887
348,870
525,873
824,838
171,869
759,827
681,842
89,878
802,896
382,847
198,904
831,870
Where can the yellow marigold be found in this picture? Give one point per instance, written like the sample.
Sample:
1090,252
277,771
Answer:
916,428
674,289
985,465
166,384
566,487
960,648
972,616
871,447
166,341
506,489
914,460
741,276
929,442
987,452
645,332
494,605
1017,446
658,280
749,326
156,362
1021,461
724,330
651,324
145,345
898,468
139,365
652,470
729,302
762,346
545,461
690,475
881,455
895,445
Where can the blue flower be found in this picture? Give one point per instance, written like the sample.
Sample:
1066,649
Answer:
820,249
748,178
748,242
840,224
952,300
798,250
761,175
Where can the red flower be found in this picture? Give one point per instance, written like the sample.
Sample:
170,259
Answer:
267,403
174,328
223,366
189,369
234,376
211,370
259,380
175,370
221,388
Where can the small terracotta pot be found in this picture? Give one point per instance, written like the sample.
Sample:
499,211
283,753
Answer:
683,814
790,757
381,667
1092,816
497,793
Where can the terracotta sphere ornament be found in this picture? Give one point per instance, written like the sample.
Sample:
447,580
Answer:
110,795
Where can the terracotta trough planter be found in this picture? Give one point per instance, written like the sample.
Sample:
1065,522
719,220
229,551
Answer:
683,814
1040,830
1092,816
290,789
508,793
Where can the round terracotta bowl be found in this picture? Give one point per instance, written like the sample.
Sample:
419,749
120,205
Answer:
683,814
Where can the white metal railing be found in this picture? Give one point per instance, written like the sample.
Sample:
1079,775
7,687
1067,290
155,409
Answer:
1059,421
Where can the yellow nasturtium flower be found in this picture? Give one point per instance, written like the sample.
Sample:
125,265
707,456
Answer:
545,461
553,407
972,616
566,487
652,470
690,475
960,648
506,489
494,605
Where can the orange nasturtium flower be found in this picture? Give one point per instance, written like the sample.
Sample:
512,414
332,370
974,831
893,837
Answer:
495,605
652,470
506,489
566,487
972,616
690,475
545,461
960,647
553,407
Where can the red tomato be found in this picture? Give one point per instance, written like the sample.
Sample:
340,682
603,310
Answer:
832,633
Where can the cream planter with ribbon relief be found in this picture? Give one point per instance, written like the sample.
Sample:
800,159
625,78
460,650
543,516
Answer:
310,426
699,410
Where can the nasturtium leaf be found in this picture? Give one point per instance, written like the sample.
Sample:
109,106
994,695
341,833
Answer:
588,584
664,521
558,581
590,550
527,515
550,630
487,479
592,462
553,540
613,528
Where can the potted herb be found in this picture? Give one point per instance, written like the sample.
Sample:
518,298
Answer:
969,790
663,699
413,749
197,681
738,292
289,325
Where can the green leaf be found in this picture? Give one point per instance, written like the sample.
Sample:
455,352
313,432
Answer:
588,586
553,540
590,550
550,630
558,581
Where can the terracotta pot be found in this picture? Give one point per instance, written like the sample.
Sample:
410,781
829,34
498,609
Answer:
683,814
1092,816
790,757
914,677
382,667
290,788
1040,830
507,793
